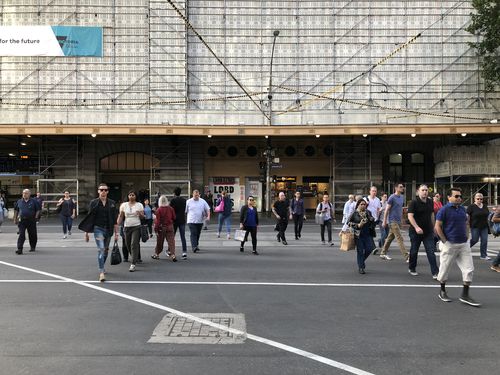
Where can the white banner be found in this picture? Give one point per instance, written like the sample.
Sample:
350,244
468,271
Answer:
50,41
231,185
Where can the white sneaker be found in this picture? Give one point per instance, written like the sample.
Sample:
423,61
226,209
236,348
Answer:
413,273
386,257
64,237
218,235
228,236
132,268
435,277
485,258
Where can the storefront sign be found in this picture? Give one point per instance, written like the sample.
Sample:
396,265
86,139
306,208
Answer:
50,41
231,185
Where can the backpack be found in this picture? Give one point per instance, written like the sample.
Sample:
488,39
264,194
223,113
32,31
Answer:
494,227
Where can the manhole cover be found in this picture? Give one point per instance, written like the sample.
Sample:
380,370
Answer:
179,330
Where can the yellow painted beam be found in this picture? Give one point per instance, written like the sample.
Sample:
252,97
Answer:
246,130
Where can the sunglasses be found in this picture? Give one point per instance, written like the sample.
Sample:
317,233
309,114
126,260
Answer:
480,198
457,196
103,189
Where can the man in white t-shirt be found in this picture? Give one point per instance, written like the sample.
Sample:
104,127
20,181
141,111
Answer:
374,204
197,210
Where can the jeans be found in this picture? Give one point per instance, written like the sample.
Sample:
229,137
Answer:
224,220
102,238
364,247
429,245
482,234
67,223
195,230
384,232
253,233
298,220
30,225
496,261
182,233
149,223
133,238
328,225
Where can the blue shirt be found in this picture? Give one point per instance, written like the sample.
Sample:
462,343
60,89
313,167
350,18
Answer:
454,220
148,214
396,211
27,209
297,206
251,218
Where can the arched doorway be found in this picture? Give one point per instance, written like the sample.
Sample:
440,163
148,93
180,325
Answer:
124,171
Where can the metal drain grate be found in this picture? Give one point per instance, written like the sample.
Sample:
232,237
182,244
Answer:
178,330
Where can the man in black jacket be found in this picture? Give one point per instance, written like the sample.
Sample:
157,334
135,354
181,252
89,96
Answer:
178,203
281,210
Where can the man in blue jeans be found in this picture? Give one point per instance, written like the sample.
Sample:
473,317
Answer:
421,217
197,211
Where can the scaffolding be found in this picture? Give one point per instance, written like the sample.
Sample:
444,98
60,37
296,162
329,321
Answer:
53,189
156,70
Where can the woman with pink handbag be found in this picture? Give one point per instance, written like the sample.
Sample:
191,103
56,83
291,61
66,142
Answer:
223,207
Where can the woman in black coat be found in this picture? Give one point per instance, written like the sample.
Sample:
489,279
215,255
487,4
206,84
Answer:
363,224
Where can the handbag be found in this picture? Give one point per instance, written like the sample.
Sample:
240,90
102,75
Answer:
116,257
220,206
144,233
239,235
319,218
347,241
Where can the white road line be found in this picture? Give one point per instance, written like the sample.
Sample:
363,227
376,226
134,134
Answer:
290,349
243,283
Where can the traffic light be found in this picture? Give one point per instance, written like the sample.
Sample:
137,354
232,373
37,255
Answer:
262,171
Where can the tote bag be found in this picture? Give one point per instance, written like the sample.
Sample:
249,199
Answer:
347,241
239,235
116,257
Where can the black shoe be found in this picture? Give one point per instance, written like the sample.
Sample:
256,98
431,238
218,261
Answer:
19,252
31,250
196,249
255,252
469,301
375,251
242,249
278,238
139,261
443,296
284,242
300,235
362,271
206,228
296,237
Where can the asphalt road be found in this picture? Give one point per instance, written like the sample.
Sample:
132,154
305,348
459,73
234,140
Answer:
306,310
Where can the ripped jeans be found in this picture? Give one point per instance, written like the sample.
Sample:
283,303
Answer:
102,238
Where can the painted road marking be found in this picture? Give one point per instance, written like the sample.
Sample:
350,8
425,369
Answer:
290,349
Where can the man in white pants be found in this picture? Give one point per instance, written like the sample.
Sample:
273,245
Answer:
451,227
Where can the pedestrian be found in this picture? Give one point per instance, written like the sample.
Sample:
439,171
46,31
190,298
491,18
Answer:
225,208
26,213
131,213
363,224
164,228
384,231
101,220
40,200
148,217
478,219
437,203
3,212
281,211
421,217
178,203
297,213
392,217
495,265
326,209
451,227
209,198
66,206
249,221
348,209
197,211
